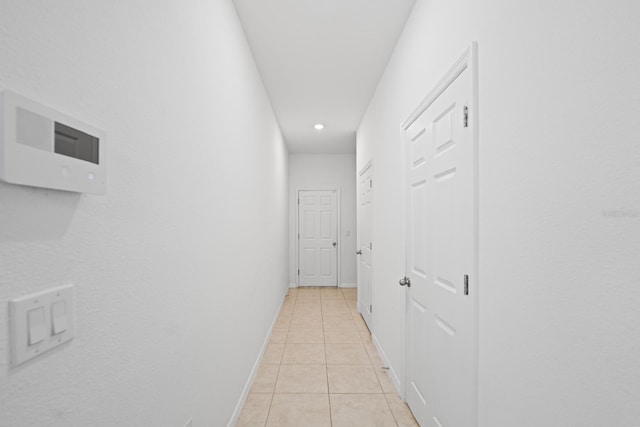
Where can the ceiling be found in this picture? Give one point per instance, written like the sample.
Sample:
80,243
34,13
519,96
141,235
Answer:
320,61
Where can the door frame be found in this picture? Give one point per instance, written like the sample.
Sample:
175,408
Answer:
467,61
367,166
338,240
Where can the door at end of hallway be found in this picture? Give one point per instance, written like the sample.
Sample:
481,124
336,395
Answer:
318,237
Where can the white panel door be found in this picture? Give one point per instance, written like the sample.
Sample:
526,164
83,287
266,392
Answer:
365,245
317,243
440,245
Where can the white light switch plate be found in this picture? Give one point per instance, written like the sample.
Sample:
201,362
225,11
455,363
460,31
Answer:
19,310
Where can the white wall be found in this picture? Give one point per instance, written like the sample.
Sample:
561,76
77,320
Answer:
559,294
180,269
318,171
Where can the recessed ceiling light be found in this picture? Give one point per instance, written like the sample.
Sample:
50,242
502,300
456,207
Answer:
318,126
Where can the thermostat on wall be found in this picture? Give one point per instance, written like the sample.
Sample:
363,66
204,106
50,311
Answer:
42,147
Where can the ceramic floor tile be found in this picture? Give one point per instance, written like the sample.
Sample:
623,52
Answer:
295,410
401,411
365,336
335,309
331,293
333,301
332,296
376,360
265,381
348,335
307,314
306,308
273,353
255,410
287,308
288,304
385,380
338,322
308,295
303,354
283,321
308,303
278,336
346,317
352,379
305,336
306,322
321,345
360,323
347,354
302,379
360,410
336,316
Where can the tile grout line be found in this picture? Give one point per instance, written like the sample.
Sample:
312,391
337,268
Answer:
273,394
326,360
390,410
371,363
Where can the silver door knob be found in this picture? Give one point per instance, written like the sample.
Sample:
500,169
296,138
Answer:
358,252
334,243
405,281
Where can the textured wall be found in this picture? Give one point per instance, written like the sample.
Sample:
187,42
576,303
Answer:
559,201
181,267
317,171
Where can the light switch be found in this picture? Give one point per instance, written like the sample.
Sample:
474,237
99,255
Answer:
40,322
36,325
59,320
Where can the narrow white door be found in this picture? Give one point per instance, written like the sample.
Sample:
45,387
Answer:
317,232
365,245
440,245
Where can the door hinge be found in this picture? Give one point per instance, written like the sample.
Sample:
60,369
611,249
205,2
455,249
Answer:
465,116
298,272
370,183
370,308
466,284
298,201
370,246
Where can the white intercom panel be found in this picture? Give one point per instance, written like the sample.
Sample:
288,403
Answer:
42,147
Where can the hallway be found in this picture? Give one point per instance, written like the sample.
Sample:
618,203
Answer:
321,368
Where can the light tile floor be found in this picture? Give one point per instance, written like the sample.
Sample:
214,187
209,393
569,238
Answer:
321,369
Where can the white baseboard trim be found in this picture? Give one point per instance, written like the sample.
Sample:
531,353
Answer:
392,373
348,285
254,371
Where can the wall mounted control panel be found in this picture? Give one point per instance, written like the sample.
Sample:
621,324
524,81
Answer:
42,147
